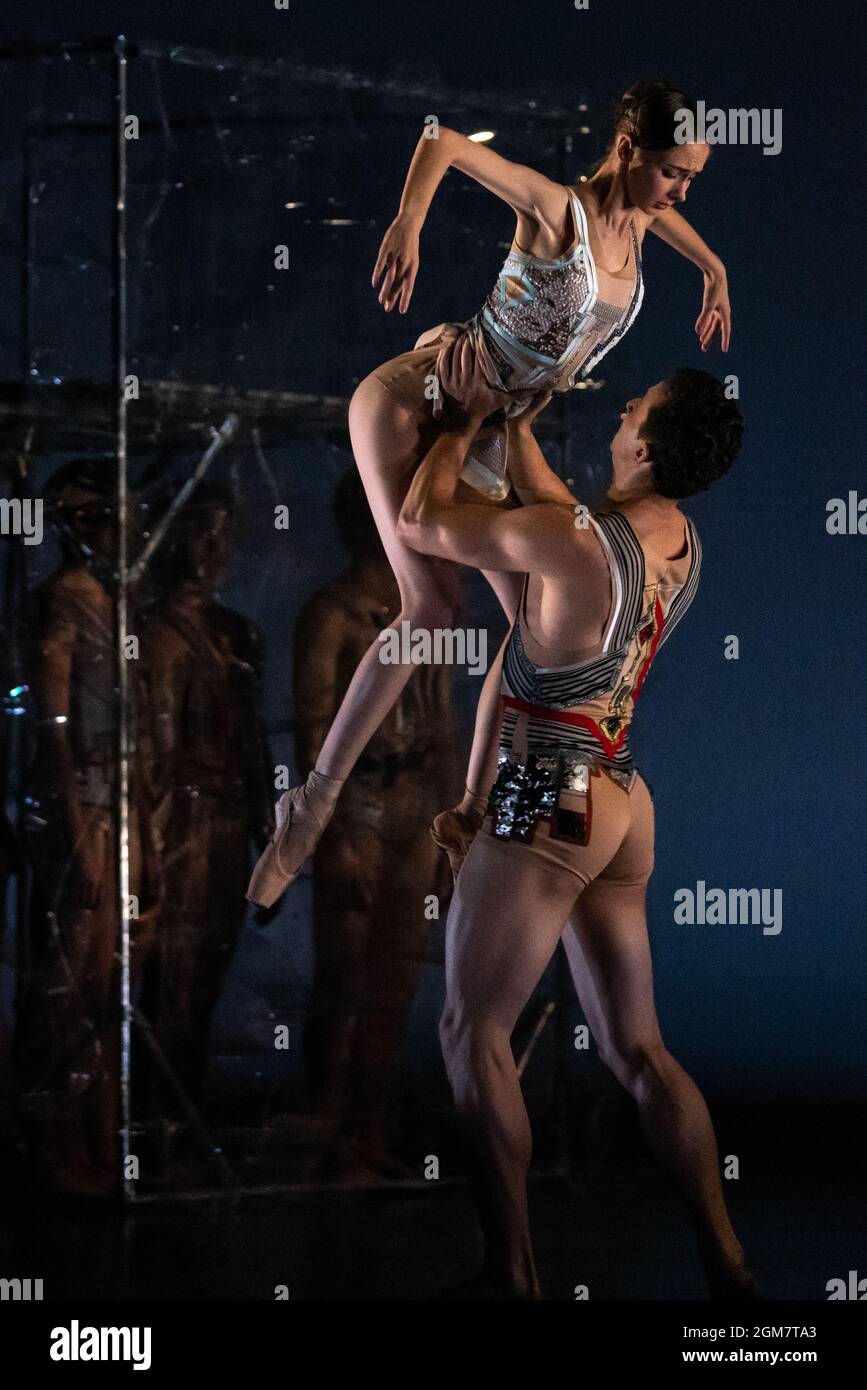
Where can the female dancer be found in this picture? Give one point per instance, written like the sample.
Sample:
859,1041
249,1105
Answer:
570,288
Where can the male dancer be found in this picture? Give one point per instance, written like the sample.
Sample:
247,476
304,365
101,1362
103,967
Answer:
568,837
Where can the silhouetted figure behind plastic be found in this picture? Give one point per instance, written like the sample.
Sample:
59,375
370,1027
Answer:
67,1041
211,776
376,861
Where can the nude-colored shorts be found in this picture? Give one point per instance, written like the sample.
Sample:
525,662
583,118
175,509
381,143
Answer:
619,846
406,376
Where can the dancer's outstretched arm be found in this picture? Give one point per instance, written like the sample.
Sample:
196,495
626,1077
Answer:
537,200
430,514
716,311
431,499
534,481
539,537
530,474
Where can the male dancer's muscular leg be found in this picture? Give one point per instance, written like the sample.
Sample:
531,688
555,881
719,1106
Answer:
498,943
609,956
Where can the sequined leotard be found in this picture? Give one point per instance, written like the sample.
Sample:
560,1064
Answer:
580,713
543,326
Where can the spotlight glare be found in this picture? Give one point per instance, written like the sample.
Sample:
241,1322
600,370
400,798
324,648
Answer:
481,135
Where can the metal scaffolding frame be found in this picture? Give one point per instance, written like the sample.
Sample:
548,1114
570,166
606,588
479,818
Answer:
109,414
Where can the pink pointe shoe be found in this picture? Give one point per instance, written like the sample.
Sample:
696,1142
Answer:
302,815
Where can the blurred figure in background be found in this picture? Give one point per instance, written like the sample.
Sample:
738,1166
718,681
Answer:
376,862
212,777
67,1038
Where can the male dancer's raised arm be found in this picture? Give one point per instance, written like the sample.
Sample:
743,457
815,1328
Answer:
541,535
532,477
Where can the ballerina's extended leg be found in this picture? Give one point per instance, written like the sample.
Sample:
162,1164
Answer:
388,443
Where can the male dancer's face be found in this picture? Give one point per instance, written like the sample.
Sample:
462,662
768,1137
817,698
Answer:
630,453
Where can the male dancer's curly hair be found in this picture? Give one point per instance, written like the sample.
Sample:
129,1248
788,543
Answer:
695,434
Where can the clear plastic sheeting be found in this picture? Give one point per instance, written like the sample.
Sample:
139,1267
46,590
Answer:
297,1044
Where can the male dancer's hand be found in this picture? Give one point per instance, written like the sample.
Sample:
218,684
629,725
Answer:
461,377
524,421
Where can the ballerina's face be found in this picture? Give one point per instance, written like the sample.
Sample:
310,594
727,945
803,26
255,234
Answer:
659,179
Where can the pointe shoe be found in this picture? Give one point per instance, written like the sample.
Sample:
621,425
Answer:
296,835
454,832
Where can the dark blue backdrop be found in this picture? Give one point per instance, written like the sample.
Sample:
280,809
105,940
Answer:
757,764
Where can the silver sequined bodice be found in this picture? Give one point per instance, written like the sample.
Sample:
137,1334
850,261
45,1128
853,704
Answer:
542,327
544,323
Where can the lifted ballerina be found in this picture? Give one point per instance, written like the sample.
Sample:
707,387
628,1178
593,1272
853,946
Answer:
554,312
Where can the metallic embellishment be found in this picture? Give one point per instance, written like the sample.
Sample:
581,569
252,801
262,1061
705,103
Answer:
527,789
623,697
523,793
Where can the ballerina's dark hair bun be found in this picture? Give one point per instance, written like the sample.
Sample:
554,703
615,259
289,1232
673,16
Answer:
648,113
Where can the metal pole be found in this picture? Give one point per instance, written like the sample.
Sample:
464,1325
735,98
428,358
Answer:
121,588
221,437
27,257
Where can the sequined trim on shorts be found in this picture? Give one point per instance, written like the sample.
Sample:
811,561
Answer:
527,789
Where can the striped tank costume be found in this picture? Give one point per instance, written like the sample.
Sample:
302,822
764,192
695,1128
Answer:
558,722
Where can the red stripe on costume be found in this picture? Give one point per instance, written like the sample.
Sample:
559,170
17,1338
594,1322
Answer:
584,721
660,624
564,717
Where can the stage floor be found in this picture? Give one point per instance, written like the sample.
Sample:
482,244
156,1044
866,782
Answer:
625,1237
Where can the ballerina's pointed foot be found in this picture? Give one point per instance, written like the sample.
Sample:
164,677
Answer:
300,824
